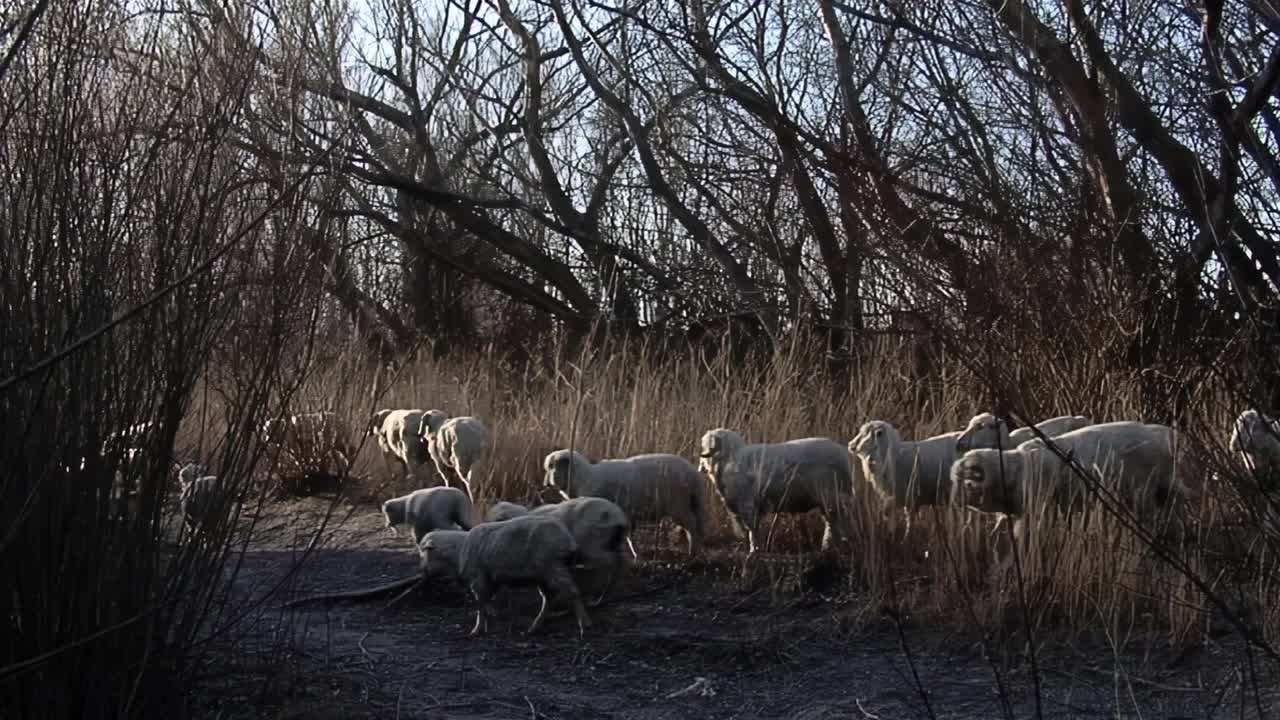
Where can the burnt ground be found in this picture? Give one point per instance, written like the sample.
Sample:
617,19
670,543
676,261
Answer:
675,640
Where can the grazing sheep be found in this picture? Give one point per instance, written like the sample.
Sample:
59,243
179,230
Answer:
503,510
1135,461
907,474
533,548
795,476
1255,437
647,487
987,431
429,509
599,527
457,444
440,552
397,432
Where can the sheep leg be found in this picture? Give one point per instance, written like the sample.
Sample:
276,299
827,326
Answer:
484,595
466,479
580,612
693,541
634,554
537,620
826,532
615,571
560,580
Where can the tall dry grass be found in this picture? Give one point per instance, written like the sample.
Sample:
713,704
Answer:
1077,581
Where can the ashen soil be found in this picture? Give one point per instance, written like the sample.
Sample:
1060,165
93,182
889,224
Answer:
676,640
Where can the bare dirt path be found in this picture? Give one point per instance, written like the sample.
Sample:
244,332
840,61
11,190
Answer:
679,642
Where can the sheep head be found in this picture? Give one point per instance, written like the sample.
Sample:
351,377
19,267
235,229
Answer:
715,447
439,552
984,431
375,422
393,513
1256,437
562,467
985,481
875,442
190,472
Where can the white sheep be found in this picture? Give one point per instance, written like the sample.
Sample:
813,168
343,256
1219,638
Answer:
906,473
503,510
1255,437
398,434
456,444
647,487
535,548
1138,463
795,476
429,509
599,527
988,431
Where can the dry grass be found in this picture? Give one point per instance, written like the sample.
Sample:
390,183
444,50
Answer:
1092,582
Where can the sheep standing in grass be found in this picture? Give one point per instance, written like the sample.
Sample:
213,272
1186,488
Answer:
429,509
1255,437
200,496
795,476
398,433
647,487
456,445
906,474
534,548
988,431
1136,462
599,527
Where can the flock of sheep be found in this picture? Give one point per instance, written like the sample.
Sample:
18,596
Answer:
986,467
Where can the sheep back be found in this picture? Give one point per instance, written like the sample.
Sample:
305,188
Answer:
599,526
525,548
460,442
429,509
789,477
646,487
503,510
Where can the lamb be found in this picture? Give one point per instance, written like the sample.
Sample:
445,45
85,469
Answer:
457,444
535,548
1255,437
646,487
987,431
200,495
599,527
397,432
503,510
1136,461
906,474
429,509
788,477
